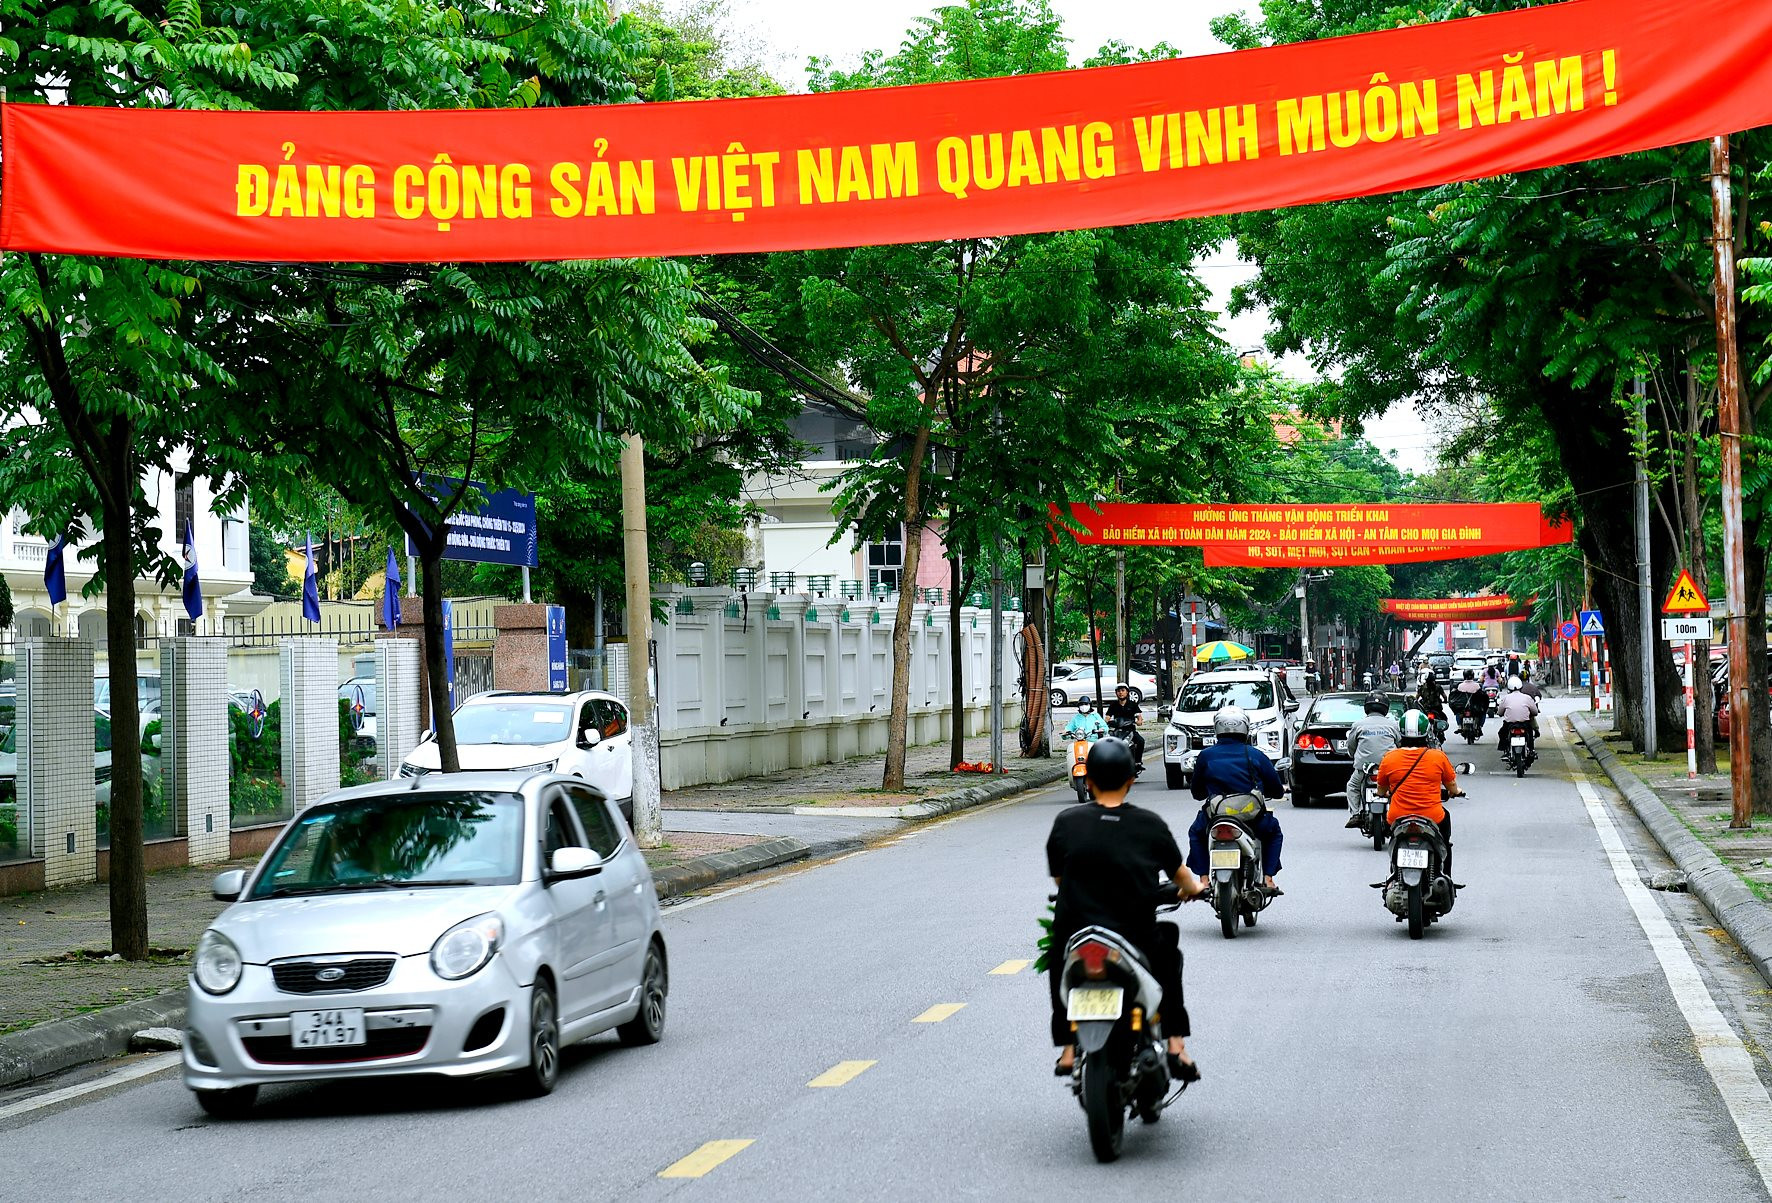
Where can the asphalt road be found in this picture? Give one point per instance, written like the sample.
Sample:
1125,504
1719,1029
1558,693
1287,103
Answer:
1529,1048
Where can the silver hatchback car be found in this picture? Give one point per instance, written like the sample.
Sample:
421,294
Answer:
460,925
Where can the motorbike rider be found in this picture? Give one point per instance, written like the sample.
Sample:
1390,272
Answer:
1123,713
1367,742
1105,857
1529,685
1085,724
1517,709
1412,776
1395,672
1233,766
1468,698
1491,676
1431,700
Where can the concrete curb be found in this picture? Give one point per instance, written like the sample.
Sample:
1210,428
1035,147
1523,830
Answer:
704,871
1714,883
62,1044
949,802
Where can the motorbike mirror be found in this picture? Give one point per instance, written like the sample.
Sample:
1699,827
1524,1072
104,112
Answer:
1465,767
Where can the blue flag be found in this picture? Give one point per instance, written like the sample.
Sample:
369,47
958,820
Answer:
310,588
55,572
390,598
193,587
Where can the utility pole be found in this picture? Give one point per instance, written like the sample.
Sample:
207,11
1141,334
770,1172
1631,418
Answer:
1304,618
997,658
1034,607
1729,430
1122,653
1645,589
648,820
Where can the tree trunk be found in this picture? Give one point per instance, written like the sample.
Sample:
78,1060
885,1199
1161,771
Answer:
128,872
1759,705
436,662
898,724
956,664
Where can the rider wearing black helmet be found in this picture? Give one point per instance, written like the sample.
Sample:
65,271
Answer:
1367,742
1106,856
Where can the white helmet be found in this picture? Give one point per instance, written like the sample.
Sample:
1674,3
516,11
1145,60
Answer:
1513,682
1414,727
1231,720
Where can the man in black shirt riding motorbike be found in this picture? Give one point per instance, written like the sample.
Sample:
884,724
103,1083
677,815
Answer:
1123,717
1106,856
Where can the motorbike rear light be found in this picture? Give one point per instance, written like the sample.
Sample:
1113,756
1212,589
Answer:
1095,958
1225,831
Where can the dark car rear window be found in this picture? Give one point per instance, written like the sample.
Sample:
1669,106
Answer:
1345,712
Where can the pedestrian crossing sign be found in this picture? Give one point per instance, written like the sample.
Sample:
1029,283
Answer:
1591,625
1685,597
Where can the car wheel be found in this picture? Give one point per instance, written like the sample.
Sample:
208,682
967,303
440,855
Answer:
1172,776
1137,695
228,1104
647,1025
542,1073
1060,698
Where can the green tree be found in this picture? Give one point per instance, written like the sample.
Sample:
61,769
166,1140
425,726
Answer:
106,358
270,568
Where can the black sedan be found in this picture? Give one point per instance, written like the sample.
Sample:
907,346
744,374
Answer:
1321,761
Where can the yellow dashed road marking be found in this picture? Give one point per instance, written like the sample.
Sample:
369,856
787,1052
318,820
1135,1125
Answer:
939,1012
842,1072
1008,967
705,1158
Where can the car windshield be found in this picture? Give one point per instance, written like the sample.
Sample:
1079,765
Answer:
1345,712
431,838
512,722
1206,695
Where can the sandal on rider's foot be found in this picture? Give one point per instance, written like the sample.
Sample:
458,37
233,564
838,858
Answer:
1181,1071
1061,1070
1274,891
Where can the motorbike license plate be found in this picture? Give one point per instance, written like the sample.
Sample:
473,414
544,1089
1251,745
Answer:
1411,858
1095,1002
1227,858
327,1029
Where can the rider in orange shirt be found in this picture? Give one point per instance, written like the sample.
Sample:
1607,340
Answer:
1412,777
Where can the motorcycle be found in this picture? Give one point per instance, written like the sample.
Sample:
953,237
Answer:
1519,754
1238,886
1419,890
1112,999
1080,767
1373,807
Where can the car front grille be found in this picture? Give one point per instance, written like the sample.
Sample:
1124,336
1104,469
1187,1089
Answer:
304,977
1196,736
381,1045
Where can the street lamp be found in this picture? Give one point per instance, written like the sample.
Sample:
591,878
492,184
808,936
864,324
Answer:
698,574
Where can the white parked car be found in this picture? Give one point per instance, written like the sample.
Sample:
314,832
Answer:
1260,692
581,734
460,925
1081,684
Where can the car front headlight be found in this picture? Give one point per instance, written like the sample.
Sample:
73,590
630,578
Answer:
464,949
542,766
216,964
1265,724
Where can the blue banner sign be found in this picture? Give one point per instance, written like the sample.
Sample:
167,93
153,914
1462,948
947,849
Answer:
489,527
449,648
557,679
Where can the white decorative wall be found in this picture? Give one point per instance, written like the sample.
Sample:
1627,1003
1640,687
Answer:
310,719
194,743
397,703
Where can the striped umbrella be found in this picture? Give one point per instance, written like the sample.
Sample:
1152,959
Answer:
1220,650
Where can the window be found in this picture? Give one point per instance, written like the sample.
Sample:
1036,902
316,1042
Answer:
611,717
184,510
101,732
234,544
561,831
885,562
603,833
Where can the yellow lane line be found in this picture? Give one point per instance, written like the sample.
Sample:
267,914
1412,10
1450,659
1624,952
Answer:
939,1012
705,1158
841,1073
1009,967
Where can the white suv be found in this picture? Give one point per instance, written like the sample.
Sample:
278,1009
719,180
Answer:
1262,693
580,734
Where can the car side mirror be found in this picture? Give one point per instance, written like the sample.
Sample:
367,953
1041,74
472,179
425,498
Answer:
574,862
227,886
427,737
1292,706
1164,712
590,737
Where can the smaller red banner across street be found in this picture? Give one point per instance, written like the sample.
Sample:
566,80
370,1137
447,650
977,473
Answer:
1455,609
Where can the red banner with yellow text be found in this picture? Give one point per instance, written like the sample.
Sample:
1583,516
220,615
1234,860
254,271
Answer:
1226,133
1297,534
1455,609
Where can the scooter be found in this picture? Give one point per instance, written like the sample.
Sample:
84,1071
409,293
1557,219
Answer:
1470,726
1419,890
1080,767
1238,888
1112,999
1515,749
1373,807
